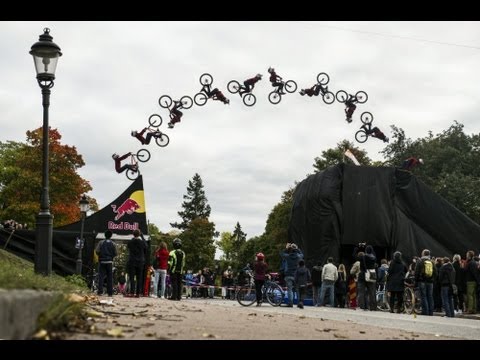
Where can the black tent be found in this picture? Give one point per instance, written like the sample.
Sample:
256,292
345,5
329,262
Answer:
388,208
123,215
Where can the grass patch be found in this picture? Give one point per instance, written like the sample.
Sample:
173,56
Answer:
17,273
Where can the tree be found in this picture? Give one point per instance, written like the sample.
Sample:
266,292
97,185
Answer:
451,164
336,155
198,244
21,179
194,204
226,245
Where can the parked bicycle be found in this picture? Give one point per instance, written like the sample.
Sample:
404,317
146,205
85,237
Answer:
271,291
275,96
142,155
248,98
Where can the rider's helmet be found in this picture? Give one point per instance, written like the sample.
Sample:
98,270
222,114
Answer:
420,161
134,133
270,69
259,76
115,156
177,243
260,256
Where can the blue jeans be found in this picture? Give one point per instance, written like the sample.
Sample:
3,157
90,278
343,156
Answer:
447,301
290,280
426,294
327,285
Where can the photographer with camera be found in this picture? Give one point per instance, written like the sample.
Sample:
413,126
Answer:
290,258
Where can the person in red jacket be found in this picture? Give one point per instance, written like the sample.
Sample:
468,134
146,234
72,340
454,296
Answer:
259,274
161,257
276,80
410,163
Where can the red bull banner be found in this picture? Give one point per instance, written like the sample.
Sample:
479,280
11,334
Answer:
123,215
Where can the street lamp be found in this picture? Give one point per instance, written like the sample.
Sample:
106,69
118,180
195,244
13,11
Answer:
84,207
45,56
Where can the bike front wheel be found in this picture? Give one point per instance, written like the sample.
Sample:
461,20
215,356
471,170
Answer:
408,300
361,136
187,102
165,101
162,140
341,96
143,155
206,79
247,295
290,86
323,78
366,117
233,86
362,97
155,120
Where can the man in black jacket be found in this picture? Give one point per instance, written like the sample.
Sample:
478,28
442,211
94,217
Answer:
106,251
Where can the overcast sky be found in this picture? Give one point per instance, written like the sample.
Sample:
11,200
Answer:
419,76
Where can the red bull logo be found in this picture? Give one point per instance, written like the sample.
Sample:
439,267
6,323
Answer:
129,206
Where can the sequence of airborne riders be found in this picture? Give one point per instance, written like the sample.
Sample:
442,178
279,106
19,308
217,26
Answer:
245,91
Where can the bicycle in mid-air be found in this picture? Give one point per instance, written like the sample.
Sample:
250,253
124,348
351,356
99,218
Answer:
272,292
275,96
248,98
142,155
165,101
361,135
360,97
155,121
323,79
206,81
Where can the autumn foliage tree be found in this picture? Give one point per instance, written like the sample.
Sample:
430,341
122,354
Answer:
21,179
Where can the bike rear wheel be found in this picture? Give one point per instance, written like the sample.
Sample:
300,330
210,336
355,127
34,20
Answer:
249,99
162,140
143,155
408,300
131,175
274,97
361,136
187,102
274,294
200,99
361,96
246,295
341,96
328,98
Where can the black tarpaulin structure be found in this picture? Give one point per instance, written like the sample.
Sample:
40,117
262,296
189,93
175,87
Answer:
123,215
388,208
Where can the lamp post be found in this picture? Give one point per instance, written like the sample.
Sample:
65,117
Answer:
84,207
45,56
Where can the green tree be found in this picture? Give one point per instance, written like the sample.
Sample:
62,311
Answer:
21,179
336,155
194,204
451,164
225,244
198,244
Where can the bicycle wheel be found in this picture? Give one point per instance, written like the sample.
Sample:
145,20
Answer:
366,117
274,294
418,301
408,300
131,175
383,301
274,97
328,98
246,295
206,79
341,96
290,86
143,155
162,140
323,78
249,99
165,101
155,120
187,102
361,136
234,87
200,99
362,97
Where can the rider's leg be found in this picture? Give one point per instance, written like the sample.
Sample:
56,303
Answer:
148,138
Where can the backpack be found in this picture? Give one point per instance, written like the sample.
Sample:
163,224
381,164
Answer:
428,269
